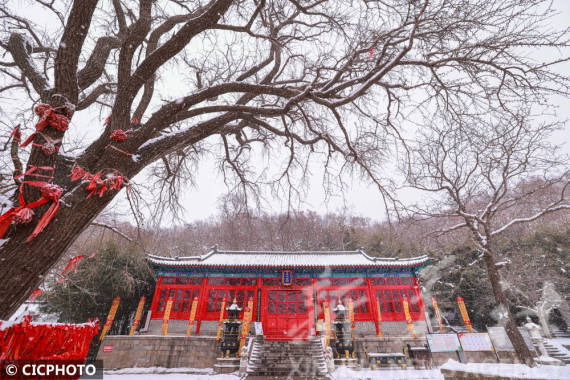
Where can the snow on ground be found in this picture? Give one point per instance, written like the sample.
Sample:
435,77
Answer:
560,343
167,374
519,371
386,374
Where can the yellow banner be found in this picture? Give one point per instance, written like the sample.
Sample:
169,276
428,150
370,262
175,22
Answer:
351,315
221,321
464,314
409,318
437,314
379,319
245,325
110,318
137,317
327,324
192,316
166,316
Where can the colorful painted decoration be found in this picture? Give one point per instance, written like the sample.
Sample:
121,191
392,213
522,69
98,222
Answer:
221,320
327,323
437,314
286,277
166,316
379,318
137,316
409,321
110,318
192,316
464,314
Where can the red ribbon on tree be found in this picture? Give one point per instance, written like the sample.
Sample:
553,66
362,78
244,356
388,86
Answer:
119,135
36,293
71,266
24,213
48,117
96,184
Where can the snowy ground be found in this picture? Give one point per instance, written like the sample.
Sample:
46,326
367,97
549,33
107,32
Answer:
539,372
340,373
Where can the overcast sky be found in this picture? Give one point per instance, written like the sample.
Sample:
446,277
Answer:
361,198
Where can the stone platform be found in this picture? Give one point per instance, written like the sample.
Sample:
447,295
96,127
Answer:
158,351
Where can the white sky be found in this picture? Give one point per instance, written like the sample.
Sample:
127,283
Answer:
360,199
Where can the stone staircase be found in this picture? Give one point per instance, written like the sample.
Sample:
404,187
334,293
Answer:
555,353
560,334
287,360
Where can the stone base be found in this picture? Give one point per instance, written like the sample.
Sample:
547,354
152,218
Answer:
382,345
158,351
350,363
227,365
389,329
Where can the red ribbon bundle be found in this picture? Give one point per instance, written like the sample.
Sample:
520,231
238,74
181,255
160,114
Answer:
34,341
96,184
24,213
48,117
119,135
71,265
36,293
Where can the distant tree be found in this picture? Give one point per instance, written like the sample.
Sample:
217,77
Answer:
89,292
295,83
477,165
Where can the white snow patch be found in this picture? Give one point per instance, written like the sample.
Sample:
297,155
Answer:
519,371
179,100
168,374
396,374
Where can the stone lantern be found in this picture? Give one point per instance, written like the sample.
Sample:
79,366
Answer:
341,327
229,344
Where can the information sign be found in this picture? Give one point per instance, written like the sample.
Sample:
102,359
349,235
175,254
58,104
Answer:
443,342
475,342
500,339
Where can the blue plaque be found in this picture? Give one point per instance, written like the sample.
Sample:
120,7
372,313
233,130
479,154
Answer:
286,277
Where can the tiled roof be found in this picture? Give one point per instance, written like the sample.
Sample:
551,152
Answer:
275,259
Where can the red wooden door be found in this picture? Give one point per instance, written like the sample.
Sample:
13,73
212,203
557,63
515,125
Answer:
287,314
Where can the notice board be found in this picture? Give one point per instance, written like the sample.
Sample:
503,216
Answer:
475,342
443,342
500,339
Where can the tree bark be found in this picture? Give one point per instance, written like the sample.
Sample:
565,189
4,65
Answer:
24,265
523,353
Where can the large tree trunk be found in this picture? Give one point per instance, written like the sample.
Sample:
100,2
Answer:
24,265
523,353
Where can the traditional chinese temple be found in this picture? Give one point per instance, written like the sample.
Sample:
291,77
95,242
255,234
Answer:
288,290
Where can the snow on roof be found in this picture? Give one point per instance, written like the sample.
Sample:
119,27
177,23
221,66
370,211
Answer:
283,259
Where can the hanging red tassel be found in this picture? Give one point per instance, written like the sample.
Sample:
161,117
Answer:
119,135
96,184
23,216
23,213
35,295
48,117
52,193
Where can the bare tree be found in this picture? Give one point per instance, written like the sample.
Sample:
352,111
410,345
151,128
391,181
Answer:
300,81
475,166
